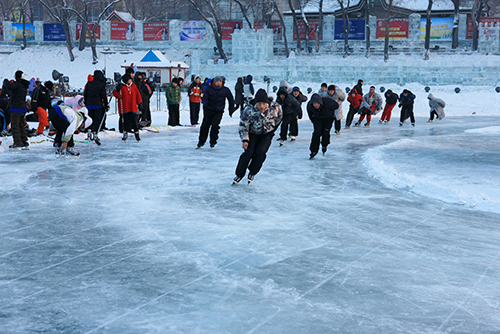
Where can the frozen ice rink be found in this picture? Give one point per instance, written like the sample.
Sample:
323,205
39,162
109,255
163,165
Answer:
394,230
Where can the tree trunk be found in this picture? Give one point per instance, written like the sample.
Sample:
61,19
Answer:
25,42
283,29
69,42
456,20
83,36
244,12
475,15
428,31
320,27
387,32
295,26
93,44
218,41
367,30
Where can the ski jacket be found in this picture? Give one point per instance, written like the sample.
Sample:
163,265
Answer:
391,98
257,122
248,89
40,98
301,98
173,94
195,92
94,95
323,93
74,118
239,98
407,100
147,91
437,105
373,102
284,84
214,98
359,88
355,100
326,110
128,98
18,89
339,97
75,103
290,105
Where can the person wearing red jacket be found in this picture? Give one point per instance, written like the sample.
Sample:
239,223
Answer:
355,100
129,98
195,92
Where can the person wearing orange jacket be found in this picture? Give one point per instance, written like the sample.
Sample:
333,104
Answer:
195,93
355,100
129,99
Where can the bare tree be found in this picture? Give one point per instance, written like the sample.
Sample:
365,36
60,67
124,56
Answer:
244,10
387,31
456,20
367,30
345,19
319,29
476,13
306,23
428,31
295,25
283,27
209,12
59,12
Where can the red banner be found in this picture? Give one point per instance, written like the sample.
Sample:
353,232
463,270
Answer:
398,29
123,31
228,28
487,21
156,31
313,24
89,30
275,26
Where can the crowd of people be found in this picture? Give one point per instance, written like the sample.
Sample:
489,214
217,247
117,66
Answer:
260,115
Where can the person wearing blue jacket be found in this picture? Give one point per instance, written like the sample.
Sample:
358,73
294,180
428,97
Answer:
406,101
214,103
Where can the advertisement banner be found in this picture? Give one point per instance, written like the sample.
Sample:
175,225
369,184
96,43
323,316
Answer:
398,29
156,31
17,32
228,28
313,24
487,21
53,32
356,30
441,28
122,31
275,26
89,31
193,31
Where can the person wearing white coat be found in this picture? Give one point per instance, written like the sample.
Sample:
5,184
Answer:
336,93
437,108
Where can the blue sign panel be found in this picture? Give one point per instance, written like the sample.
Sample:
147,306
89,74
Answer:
53,32
356,30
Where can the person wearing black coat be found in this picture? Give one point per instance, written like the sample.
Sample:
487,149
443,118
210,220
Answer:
321,111
359,87
391,99
406,100
239,99
147,92
96,100
291,110
214,102
19,90
5,108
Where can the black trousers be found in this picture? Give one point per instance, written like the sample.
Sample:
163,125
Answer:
350,115
61,125
146,110
255,155
211,121
287,120
407,111
130,123
338,124
173,115
97,116
321,133
18,128
294,127
194,112
432,115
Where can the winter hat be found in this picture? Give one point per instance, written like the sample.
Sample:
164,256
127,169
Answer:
129,70
295,89
217,78
19,75
315,98
261,96
49,85
430,96
197,77
282,91
126,78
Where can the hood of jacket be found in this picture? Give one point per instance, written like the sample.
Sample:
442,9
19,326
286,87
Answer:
315,98
99,76
248,79
430,96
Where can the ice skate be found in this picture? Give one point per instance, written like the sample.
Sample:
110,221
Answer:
237,179
250,178
136,134
337,133
71,153
313,154
430,120
380,121
400,124
293,138
367,125
125,136
282,142
323,149
347,127
357,124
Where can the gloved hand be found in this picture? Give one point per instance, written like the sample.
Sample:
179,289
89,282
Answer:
399,105
118,87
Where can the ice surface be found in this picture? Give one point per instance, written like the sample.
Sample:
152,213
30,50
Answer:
150,238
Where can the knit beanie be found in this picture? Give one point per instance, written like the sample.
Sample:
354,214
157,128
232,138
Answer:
19,75
261,96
